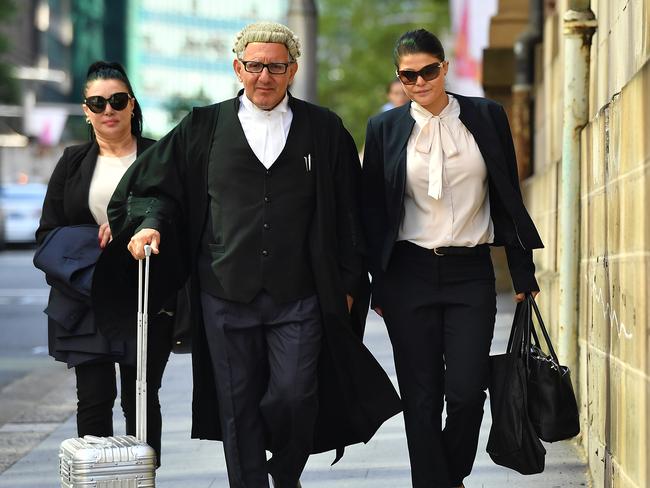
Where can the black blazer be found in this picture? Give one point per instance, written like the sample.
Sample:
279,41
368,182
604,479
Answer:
66,205
66,200
67,256
384,180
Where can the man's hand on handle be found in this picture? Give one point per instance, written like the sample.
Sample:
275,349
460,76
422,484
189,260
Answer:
142,237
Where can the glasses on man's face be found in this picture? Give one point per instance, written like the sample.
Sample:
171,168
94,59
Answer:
97,104
429,73
257,67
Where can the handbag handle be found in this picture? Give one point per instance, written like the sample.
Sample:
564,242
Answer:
517,332
511,338
530,330
547,339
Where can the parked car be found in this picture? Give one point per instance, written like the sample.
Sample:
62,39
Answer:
2,229
21,205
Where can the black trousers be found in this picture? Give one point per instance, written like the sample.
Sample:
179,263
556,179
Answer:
265,358
440,313
97,388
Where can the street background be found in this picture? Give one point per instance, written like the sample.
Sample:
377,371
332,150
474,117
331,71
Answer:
572,75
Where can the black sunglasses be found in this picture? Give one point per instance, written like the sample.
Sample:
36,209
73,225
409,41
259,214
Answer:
97,104
428,73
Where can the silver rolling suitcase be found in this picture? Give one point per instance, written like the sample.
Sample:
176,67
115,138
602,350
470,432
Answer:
121,461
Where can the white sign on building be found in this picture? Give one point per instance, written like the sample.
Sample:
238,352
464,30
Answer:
470,25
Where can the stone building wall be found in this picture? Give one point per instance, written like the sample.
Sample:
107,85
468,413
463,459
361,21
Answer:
613,371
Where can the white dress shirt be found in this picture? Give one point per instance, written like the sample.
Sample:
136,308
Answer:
266,130
446,201
108,173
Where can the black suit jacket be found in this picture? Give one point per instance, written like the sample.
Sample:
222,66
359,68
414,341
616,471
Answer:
67,256
384,179
66,200
66,205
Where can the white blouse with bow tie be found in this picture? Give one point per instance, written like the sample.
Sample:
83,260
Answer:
446,201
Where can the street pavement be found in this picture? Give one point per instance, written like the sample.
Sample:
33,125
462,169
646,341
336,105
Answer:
23,329
382,463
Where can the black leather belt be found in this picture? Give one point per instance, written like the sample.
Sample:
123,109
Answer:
410,248
479,250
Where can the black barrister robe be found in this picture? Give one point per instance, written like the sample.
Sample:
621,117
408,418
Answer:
167,189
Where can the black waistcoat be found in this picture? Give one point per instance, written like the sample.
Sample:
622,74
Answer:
255,236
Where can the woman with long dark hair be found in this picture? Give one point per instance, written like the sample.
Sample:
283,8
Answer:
78,194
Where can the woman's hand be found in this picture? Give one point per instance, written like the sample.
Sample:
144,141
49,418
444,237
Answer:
138,241
350,301
104,236
520,297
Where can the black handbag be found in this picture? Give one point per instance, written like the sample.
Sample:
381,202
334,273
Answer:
552,405
513,441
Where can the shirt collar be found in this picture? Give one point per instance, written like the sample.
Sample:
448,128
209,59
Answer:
280,108
451,109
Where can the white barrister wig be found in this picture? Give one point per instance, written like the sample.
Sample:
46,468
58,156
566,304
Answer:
267,32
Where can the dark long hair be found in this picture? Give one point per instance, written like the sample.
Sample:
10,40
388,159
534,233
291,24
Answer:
103,70
418,41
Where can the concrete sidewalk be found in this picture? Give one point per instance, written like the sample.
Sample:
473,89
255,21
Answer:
382,463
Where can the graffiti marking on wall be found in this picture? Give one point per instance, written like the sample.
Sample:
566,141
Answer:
607,309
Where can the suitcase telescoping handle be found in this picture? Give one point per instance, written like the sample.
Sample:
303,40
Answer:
141,368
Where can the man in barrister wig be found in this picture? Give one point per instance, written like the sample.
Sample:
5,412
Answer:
255,200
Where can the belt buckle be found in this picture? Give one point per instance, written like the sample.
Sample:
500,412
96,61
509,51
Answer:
435,251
